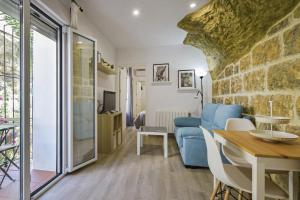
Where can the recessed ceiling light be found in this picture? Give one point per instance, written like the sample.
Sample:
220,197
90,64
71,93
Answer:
136,12
193,5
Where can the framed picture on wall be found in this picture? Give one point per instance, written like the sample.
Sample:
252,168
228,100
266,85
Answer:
186,79
161,73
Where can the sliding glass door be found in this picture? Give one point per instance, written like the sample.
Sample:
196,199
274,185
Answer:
9,100
82,93
45,100
30,99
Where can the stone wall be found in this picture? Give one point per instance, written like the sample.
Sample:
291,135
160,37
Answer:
225,30
270,71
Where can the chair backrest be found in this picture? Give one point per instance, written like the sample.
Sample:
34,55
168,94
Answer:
239,124
214,158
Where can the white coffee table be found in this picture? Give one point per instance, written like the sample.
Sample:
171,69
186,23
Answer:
148,130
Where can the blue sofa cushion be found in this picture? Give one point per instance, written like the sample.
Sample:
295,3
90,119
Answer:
190,132
190,139
187,122
208,115
225,112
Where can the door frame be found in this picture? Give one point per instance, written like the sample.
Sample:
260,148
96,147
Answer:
25,99
122,94
25,27
70,167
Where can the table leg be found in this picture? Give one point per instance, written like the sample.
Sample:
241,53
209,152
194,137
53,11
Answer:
13,135
138,143
2,136
258,180
215,180
5,136
293,186
166,145
142,140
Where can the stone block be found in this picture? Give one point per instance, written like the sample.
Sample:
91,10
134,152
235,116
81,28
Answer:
221,75
282,105
266,51
284,75
291,39
77,91
236,84
228,100
280,26
254,81
297,13
260,105
215,88
298,106
77,80
236,69
214,75
243,101
229,71
217,100
245,64
214,100
225,86
87,91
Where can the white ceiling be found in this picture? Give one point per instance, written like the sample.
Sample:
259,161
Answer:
155,26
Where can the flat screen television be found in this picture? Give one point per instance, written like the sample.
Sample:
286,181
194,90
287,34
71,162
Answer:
109,101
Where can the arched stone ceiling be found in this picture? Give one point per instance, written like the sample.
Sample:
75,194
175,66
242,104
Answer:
227,29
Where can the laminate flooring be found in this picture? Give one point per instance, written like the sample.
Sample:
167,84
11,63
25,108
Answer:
123,175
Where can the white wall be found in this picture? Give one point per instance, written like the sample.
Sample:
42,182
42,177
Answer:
85,26
167,97
44,93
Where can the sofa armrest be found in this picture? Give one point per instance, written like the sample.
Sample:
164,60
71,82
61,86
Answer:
187,121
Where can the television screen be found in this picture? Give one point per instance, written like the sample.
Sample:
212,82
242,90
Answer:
109,101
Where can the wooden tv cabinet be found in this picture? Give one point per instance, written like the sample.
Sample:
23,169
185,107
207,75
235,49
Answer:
110,135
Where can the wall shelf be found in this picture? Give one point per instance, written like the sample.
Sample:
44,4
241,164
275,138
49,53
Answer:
106,69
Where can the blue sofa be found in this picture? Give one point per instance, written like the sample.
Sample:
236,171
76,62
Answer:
189,136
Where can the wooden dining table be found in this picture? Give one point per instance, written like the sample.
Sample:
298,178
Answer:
262,156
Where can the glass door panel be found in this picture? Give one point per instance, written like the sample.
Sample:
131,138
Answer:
9,99
45,87
83,144
45,101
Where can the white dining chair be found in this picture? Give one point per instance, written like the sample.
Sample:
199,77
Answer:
234,155
234,176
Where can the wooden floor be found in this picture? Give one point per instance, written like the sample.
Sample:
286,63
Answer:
10,189
125,176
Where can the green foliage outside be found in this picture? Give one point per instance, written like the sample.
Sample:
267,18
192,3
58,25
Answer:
9,70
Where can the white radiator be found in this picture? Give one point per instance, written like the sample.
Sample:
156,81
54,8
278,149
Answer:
166,118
